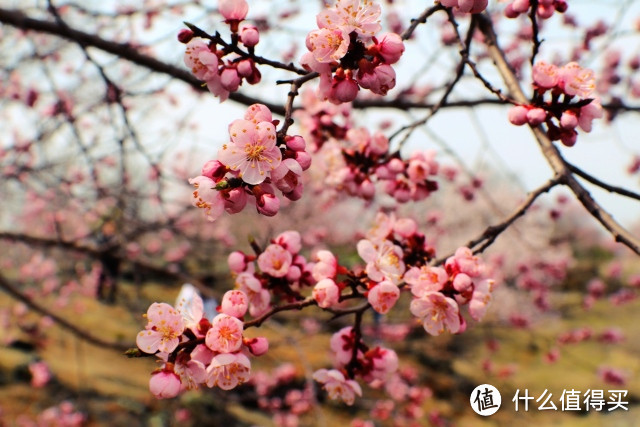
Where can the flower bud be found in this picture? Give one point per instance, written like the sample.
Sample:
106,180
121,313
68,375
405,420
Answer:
165,384
233,10
391,48
229,79
234,303
536,116
257,346
268,204
249,35
185,36
518,115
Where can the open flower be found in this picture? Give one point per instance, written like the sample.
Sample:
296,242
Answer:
163,330
338,387
252,151
225,334
384,261
437,312
275,261
383,296
228,370
363,17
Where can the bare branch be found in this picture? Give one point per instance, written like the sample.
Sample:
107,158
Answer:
13,291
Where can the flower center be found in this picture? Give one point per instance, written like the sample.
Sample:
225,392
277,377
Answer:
254,152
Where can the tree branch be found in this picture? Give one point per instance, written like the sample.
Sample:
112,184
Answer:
550,152
86,336
18,19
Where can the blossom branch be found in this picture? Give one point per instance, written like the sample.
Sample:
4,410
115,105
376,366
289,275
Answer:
125,51
550,152
233,47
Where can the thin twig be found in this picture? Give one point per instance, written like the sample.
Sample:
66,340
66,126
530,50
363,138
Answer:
13,291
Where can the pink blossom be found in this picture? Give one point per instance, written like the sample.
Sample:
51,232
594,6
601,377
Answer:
267,203
480,299
229,79
383,260
201,61
164,384
518,115
40,374
259,298
233,10
287,176
234,303
422,165
437,312
463,261
568,120
249,35
190,306
575,80
290,240
379,81
341,344
326,266
383,296
257,113
214,84
275,261
391,48
252,151
337,386
228,370
192,373
384,364
425,279
544,75
536,116
225,334
257,346
344,90
237,262
205,196
163,330
235,199
327,45
326,293
592,110
361,16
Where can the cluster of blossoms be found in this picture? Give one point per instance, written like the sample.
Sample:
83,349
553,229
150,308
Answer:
196,350
545,9
283,272
561,115
346,53
283,394
205,59
353,358
396,252
466,6
252,164
362,159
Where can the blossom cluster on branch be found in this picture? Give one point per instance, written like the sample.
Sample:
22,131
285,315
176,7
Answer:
562,113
